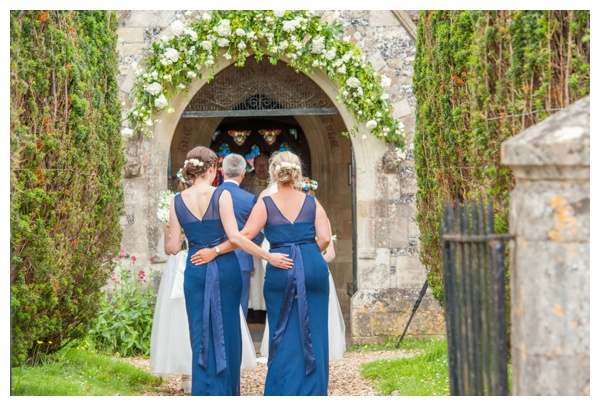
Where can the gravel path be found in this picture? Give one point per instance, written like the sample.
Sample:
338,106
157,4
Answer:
344,375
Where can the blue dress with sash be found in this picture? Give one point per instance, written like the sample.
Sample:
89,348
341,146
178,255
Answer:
212,298
297,306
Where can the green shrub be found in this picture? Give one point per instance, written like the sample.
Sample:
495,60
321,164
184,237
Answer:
482,77
124,323
66,158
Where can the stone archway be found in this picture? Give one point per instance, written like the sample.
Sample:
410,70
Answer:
330,164
388,272
366,261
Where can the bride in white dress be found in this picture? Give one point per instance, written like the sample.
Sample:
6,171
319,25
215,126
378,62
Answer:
170,348
336,325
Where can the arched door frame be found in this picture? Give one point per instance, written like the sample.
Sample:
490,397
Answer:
366,151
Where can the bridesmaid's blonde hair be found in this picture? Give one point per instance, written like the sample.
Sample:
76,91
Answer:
285,167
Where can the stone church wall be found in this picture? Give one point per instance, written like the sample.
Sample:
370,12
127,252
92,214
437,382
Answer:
388,272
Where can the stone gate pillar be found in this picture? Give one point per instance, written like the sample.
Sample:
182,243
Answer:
550,269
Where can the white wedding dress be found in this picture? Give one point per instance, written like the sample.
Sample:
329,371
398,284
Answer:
170,348
256,300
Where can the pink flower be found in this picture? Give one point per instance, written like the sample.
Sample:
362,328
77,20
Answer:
122,253
133,258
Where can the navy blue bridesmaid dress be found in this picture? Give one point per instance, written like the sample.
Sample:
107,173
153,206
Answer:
297,306
212,296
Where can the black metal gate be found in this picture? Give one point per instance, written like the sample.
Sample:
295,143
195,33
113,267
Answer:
474,299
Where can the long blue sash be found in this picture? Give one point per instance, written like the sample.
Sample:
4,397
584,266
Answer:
212,311
294,285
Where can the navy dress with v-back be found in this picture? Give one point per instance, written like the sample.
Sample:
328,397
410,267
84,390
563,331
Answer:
212,296
297,306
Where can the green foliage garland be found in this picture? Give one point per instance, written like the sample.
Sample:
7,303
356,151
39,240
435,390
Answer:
306,42
66,159
482,77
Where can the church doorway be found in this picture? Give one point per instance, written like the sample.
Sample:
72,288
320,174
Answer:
250,136
261,108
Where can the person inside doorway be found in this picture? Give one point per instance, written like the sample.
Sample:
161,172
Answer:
257,180
234,167
255,183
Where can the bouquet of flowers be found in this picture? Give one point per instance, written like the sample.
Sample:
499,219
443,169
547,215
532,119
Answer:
163,201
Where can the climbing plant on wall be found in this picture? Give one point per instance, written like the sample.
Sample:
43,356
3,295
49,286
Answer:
482,77
303,40
66,157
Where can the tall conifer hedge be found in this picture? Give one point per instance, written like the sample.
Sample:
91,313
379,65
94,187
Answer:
66,159
482,77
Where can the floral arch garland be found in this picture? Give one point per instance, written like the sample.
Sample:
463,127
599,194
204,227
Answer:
173,63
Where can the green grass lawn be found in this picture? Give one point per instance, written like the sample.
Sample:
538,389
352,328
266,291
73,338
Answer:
423,374
81,372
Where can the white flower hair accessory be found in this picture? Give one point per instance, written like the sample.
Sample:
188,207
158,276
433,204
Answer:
194,162
182,179
287,165
306,186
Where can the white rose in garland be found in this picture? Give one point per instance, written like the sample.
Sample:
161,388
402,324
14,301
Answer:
353,82
161,102
172,54
191,33
330,54
154,88
308,42
206,45
224,28
177,28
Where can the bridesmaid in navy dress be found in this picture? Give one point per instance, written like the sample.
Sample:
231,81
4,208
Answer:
212,290
297,299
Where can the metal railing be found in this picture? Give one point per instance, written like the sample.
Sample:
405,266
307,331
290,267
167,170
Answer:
474,299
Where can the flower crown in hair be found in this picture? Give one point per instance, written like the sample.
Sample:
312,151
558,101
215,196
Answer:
194,162
306,186
182,179
287,165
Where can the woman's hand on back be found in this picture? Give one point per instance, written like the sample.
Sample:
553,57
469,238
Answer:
203,256
279,260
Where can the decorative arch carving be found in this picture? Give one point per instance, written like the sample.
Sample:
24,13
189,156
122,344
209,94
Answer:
259,89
